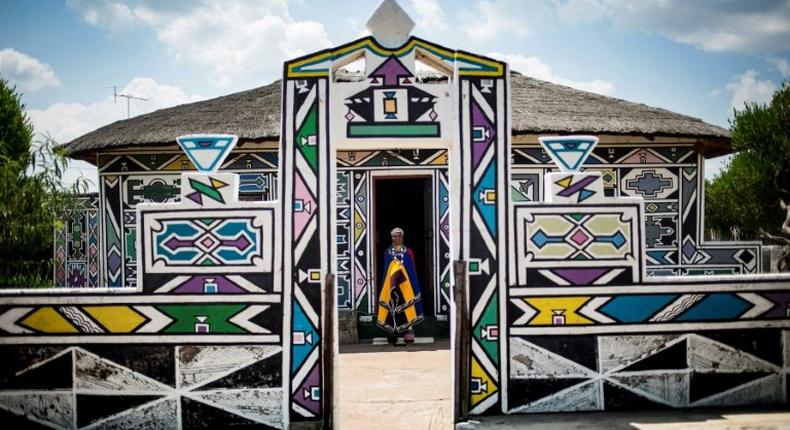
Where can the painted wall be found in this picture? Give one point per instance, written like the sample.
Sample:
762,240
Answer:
669,178
665,176
77,257
207,339
588,330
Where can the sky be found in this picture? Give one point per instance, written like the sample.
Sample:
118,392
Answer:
702,58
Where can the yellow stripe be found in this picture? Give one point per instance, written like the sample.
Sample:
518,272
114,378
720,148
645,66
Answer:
498,69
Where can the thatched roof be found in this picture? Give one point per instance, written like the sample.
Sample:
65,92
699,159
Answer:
539,107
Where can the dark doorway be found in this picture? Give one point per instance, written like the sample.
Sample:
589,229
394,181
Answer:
405,202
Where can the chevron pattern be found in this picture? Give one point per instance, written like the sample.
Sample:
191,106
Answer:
638,307
121,386
647,371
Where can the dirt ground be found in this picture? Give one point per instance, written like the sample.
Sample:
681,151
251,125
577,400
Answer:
384,387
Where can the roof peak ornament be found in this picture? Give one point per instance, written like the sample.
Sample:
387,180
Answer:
390,25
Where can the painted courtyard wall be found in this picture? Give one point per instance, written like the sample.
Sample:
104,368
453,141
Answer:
211,337
588,330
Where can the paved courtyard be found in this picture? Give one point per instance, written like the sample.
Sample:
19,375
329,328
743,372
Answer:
385,387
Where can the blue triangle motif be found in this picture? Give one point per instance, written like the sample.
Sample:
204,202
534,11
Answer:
305,337
585,194
569,152
207,151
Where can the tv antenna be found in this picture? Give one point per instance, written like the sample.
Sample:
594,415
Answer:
128,97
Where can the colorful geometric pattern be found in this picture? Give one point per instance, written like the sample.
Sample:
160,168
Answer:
354,176
210,190
568,152
142,319
647,308
226,241
486,146
575,187
76,250
389,103
207,152
666,176
198,344
306,166
130,179
393,108
582,335
578,244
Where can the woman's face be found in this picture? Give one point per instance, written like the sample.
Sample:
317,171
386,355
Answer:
397,239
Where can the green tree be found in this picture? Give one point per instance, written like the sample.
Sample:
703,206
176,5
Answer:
753,192
32,196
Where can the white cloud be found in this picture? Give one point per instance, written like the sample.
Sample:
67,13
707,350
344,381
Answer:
710,25
25,71
536,68
66,121
576,12
242,42
430,16
490,19
747,88
782,65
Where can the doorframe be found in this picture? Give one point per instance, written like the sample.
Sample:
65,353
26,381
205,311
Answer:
398,174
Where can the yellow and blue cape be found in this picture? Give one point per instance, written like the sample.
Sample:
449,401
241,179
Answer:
400,304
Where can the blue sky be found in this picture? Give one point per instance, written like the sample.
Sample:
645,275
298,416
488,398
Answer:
699,58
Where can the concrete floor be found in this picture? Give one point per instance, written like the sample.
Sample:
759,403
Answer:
664,420
383,387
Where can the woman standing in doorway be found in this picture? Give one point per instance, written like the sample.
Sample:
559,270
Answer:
400,304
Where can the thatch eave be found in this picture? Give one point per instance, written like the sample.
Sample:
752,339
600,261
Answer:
538,107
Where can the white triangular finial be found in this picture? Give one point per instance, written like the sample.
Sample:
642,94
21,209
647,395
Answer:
390,24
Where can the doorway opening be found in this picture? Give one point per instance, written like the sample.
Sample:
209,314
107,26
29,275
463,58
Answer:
415,381
406,202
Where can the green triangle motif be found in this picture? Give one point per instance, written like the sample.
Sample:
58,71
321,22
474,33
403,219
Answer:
302,139
517,196
489,321
187,317
207,190
580,257
206,221
207,262
577,217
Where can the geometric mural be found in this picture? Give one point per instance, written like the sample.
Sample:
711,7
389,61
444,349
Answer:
121,386
643,372
588,331
202,342
391,107
356,171
131,178
76,250
667,177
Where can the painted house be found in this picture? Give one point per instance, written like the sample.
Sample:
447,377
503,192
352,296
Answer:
558,295
643,152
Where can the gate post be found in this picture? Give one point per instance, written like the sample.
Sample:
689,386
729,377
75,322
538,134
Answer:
330,313
462,348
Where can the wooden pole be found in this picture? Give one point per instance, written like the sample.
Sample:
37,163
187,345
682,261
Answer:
462,344
328,351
